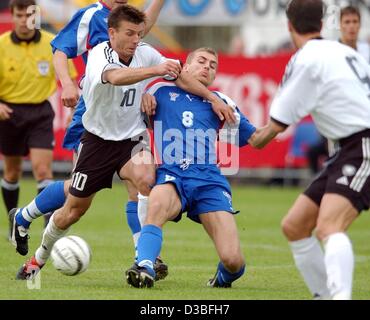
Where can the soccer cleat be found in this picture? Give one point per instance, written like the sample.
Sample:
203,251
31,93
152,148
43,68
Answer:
160,268
18,234
140,277
317,296
29,270
216,284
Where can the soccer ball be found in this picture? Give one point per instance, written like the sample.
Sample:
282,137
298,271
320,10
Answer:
71,255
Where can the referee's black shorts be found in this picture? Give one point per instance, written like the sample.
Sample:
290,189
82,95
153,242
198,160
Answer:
347,173
30,126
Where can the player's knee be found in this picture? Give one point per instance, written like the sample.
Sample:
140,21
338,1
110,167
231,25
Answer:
156,213
323,231
290,229
144,183
287,228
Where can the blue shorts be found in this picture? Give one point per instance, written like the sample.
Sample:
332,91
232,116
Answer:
201,189
75,129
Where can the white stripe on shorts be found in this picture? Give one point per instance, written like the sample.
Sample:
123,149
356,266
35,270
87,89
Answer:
363,173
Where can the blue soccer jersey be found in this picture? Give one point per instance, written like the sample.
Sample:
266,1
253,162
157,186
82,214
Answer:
185,132
186,129
87,29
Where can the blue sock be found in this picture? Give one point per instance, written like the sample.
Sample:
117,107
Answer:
225,276
22,221
50,199
149,246
132,217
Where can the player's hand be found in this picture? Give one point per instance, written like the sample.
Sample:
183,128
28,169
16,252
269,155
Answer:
148,104
223,111
5,112
170,68
70,95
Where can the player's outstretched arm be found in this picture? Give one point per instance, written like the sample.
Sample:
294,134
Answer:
188,83
264,135
152,14
70,93
127,76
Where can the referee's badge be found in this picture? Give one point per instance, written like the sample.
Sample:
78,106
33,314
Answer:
44,67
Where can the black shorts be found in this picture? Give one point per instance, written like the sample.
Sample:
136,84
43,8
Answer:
30,126
347,173
98,160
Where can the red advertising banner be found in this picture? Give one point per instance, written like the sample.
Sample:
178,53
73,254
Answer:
251,83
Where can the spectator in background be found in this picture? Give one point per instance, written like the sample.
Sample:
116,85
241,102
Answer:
27,80
350,25
237,46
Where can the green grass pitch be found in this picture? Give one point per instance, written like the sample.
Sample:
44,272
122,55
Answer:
192,259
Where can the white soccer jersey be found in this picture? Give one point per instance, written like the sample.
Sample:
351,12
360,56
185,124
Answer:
113,112
331,82
363,48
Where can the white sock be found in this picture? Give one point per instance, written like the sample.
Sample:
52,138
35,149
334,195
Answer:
309,259
31,212
136,238
339,261
142,208
51,234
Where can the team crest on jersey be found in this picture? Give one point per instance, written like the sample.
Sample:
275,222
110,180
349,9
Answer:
185,163
170,178
43,67
174,96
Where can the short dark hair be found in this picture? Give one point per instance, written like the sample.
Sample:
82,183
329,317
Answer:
125,13
350,10
21,4
306,15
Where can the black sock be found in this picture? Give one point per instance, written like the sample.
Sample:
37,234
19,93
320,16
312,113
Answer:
10,192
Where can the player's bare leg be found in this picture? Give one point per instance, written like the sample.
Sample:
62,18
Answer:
10,183
58,226
164,205
298,226
336,215
222,229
